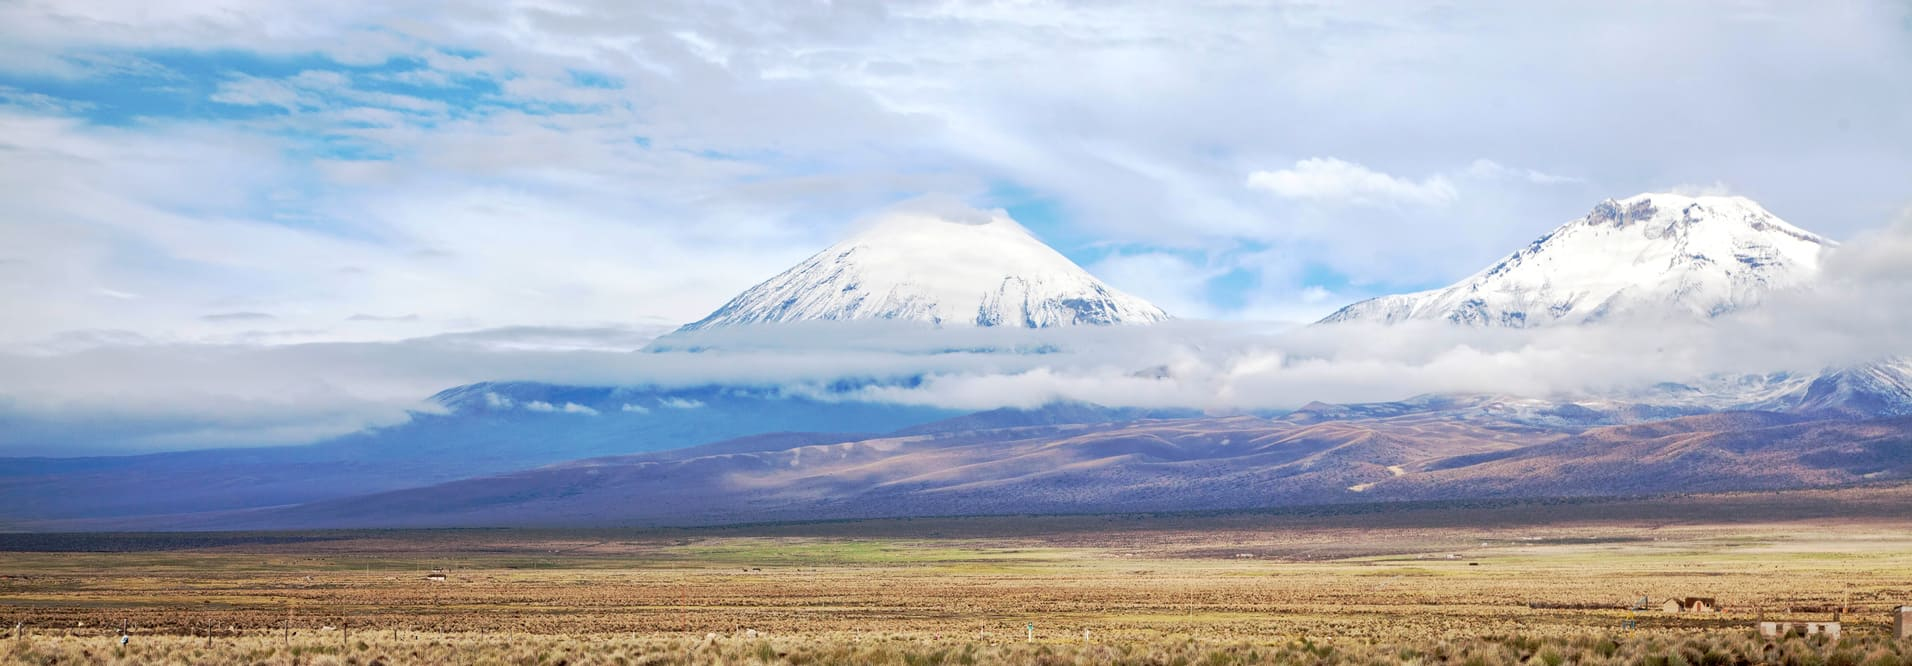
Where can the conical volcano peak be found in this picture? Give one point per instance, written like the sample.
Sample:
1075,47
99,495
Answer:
940,264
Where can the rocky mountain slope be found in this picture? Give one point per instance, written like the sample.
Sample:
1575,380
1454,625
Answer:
1144,466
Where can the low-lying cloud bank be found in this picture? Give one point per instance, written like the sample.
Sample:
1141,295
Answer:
116,393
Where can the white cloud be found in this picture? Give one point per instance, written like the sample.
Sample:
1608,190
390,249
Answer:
1489,169
634,409
255,91
1332,180
116,294
11,96
680,403
1716,188
542,406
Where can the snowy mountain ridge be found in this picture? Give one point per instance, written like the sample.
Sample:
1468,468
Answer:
1646,255
1868,390
967,269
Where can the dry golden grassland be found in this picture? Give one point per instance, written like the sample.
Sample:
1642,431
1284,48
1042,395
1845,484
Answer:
1150,590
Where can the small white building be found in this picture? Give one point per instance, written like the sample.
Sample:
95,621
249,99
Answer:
1902,622
1776,629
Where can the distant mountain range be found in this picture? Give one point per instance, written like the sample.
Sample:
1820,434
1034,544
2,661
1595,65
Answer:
515,453
960,269
1654,255
1150,465
1065,457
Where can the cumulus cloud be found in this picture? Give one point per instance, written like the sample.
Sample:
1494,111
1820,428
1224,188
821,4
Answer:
567,408
1337,181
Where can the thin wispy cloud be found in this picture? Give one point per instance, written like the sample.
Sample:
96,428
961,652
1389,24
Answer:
1336,181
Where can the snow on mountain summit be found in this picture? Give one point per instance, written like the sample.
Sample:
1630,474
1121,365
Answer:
1650,254
968,268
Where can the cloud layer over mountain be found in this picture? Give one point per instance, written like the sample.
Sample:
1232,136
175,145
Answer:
119,394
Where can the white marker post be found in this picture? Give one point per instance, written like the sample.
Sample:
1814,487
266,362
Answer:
1032,633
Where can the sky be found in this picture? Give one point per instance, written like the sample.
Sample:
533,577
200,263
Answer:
208,184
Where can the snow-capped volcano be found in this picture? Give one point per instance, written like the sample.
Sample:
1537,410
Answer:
1650,254
966,268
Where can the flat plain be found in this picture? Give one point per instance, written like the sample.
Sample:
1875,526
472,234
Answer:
1483,583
